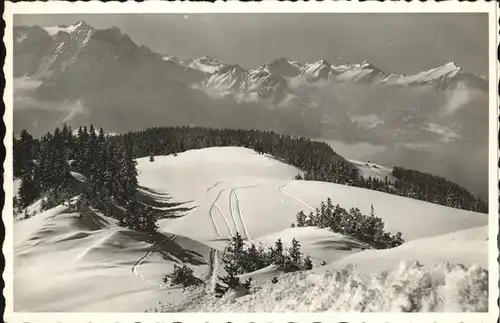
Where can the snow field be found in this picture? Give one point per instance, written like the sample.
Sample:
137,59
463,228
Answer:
58,254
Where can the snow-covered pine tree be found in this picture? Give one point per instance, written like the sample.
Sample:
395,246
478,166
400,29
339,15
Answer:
230,280
301,219
253,260
294,252
277,253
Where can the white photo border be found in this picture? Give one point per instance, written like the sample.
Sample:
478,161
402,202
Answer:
157,7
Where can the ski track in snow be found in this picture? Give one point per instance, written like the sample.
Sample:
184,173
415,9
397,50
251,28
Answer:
231,209
295,198
214,203
144,257
238,205
222,214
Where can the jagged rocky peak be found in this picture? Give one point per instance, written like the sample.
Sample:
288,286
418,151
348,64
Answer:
229,68
283,67
323,62
366,64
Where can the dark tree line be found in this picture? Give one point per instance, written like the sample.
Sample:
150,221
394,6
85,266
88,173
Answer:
316,159
426,187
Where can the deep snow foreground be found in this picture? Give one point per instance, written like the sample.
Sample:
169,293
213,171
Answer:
67,263
409,288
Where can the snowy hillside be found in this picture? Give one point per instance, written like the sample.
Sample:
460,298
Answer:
227,189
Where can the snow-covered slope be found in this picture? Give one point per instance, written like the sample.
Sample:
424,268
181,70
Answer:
466,247
64,262
226,189
239,177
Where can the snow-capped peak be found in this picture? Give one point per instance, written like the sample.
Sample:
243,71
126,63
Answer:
446,76
81,25
451,65
320,70
204,64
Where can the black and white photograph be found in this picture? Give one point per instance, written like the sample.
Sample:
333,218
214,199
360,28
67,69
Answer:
261,162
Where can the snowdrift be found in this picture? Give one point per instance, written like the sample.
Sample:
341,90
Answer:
466,247
408,288
64,262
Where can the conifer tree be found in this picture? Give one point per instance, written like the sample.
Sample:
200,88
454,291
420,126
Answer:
28,190
253,261
301,219
294,252
23,153
277,256
128,170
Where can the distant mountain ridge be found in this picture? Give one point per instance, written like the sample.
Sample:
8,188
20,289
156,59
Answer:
112,75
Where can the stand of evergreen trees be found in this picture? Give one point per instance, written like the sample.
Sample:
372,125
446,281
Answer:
365,228
317,160
44,166
240,259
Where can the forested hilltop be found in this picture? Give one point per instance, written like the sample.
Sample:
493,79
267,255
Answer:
108,162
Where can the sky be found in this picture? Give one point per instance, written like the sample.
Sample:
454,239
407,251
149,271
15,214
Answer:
398,43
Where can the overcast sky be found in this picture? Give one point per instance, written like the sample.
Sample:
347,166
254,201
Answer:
398,43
